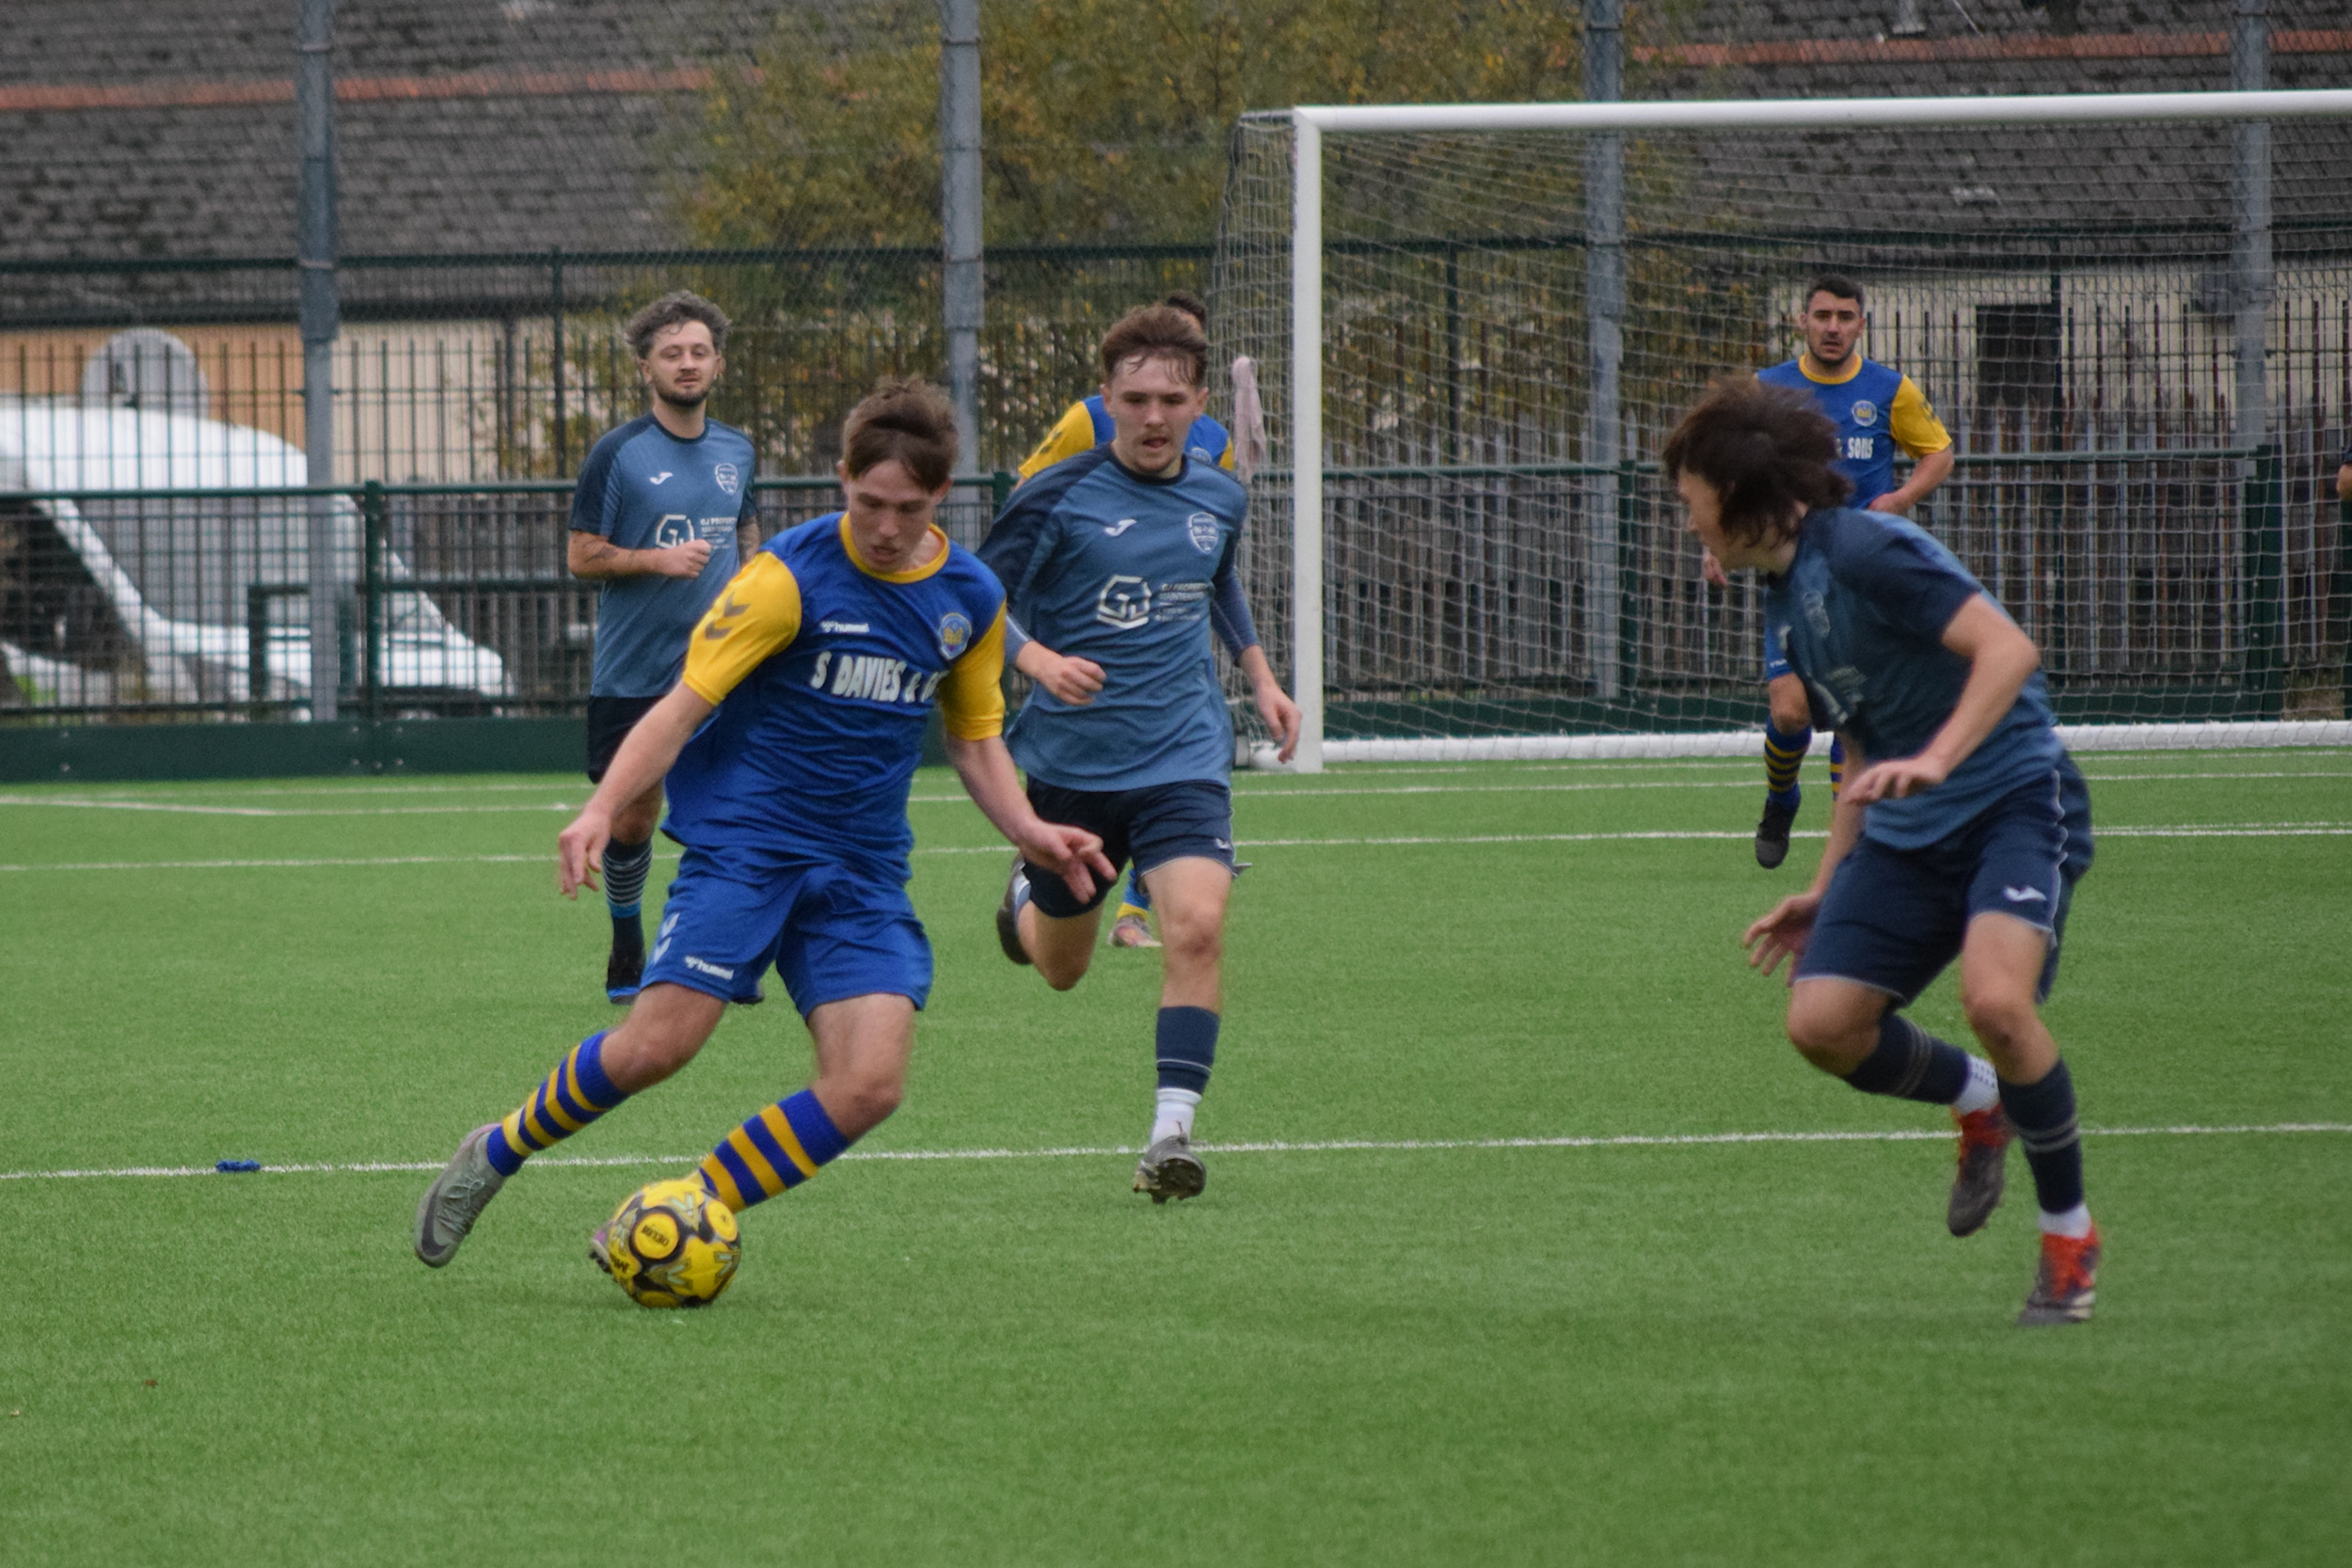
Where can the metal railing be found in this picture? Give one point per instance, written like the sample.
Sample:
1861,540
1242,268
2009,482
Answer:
192,604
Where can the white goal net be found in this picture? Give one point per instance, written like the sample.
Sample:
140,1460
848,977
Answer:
1473,328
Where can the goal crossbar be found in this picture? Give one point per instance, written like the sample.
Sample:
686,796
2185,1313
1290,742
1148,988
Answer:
1310,123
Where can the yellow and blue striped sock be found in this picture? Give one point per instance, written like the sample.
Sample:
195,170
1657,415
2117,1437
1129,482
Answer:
1784,754
576,1093
779,1148
1836,766
1137,899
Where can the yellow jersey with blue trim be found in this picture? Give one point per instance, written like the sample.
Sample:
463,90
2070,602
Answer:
824,671
1087,424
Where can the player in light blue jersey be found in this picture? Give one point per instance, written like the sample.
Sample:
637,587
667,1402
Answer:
1960,834
1116,564
662,513
789,744
1084,426
1877,410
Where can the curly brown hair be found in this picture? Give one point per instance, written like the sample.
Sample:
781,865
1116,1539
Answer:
1165,332
1766,451
905,420
668,312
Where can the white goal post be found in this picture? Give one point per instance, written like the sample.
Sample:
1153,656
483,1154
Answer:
1302,451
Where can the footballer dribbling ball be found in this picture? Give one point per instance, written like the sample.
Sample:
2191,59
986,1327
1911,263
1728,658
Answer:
671,1243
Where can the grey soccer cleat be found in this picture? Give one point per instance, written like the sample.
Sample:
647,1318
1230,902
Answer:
456,1198
1977,1183
1008,917
2064,1285
1169,1168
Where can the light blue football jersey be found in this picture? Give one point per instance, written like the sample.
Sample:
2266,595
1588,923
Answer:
644,488
1105,564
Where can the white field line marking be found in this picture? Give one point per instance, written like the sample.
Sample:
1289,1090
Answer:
192,809
1253,792
1327,1145
2224,829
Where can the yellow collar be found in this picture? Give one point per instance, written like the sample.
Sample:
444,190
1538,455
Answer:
1805,363
913,573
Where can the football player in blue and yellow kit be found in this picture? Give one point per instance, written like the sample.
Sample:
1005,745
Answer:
1875,409
1084,426
789,744
1120,560
661,515
1960,835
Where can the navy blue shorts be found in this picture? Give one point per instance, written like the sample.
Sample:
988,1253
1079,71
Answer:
832,932
1153,825
1894,918
610,720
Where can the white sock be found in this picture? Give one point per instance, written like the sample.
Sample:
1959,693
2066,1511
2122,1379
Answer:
1171,1117
2075,1223
1982,1091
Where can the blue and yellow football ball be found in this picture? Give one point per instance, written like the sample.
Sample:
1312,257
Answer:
669,1244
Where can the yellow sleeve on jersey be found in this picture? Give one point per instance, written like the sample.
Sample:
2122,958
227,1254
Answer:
1071,435
1226,462
758,616
1915,428
972,698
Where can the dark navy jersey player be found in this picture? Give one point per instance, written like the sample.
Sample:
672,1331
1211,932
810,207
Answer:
1961,834
1118,564
661,515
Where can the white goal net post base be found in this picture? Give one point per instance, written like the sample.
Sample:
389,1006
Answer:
1477,544
1749,744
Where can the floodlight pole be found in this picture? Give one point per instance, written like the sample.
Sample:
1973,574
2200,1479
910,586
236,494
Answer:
2249,71
321,313
960,213
1604,331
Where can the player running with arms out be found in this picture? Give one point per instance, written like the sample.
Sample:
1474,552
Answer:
1118,562
789,745
661,515
1876,409
1960,834
1084,426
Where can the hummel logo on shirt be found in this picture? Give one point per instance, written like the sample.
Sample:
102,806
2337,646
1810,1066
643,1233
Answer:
656,479
2024,895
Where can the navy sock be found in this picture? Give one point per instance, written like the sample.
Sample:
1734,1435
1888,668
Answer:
1911,1063
1784,754
1188,1048
2043,1115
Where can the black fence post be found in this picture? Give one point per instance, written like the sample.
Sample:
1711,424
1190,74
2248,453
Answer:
371,570
257,598
2262,560
1629,580
2340,601
555,301
1000,485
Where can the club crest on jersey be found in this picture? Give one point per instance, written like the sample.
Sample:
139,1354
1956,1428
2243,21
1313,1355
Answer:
1204,530
1125,603
955,635
1865,412
728,479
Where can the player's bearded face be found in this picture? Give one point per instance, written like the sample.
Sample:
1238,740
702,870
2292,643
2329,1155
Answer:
890,516
1151,408
683,365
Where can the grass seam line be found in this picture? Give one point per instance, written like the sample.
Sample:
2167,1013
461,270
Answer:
1323,1145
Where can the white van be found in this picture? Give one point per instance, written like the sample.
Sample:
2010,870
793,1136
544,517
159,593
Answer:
197,599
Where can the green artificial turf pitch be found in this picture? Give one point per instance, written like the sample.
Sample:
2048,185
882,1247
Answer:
1686,1352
